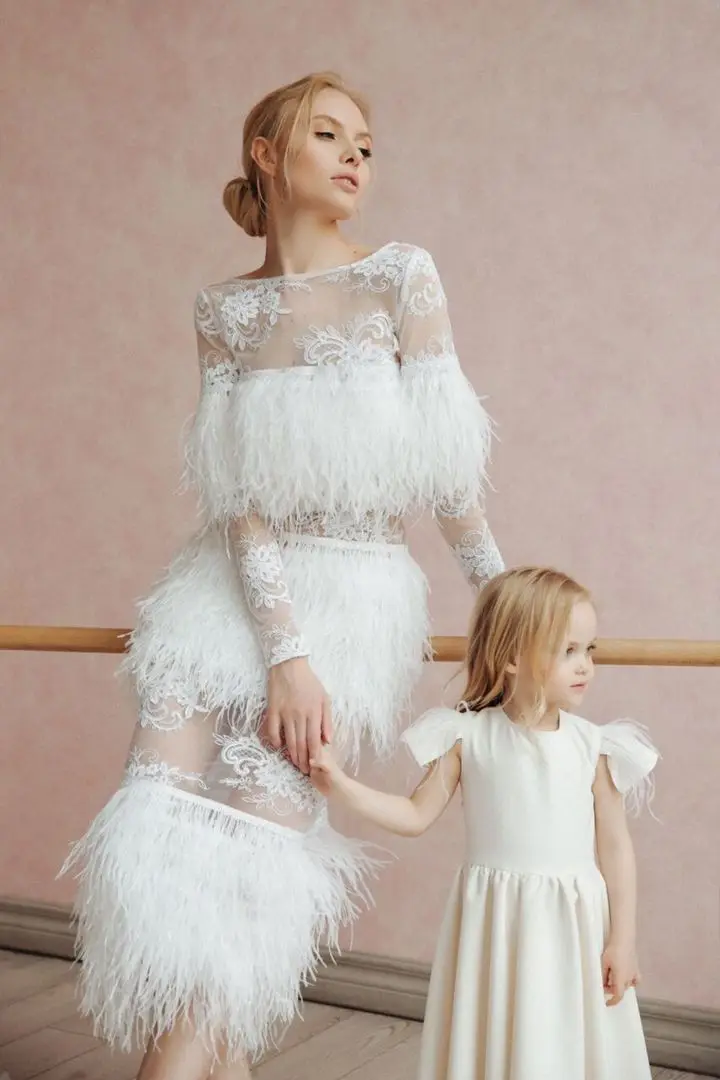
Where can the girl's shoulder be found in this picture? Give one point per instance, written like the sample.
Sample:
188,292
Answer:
436,732
630,752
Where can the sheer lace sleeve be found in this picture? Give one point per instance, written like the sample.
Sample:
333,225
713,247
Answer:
257,552
453,430
473,545
261,570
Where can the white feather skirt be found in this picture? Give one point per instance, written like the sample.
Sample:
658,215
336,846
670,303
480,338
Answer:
197,899
190,909
362,608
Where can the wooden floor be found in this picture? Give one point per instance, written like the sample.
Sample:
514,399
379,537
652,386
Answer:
42,1036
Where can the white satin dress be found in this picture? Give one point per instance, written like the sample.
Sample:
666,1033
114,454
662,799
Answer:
516,991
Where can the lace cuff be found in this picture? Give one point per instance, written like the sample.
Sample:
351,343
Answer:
479,556
262,574
473,545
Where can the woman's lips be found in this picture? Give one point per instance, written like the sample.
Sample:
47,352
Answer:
346,182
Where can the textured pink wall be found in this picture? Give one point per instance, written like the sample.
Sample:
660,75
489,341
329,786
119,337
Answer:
561,162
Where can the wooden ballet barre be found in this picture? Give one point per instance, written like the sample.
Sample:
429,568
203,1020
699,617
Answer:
641,652
645,652
71,639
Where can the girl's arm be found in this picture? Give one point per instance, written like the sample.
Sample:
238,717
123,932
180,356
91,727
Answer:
617,865
396,813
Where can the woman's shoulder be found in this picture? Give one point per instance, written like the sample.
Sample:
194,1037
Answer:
413,256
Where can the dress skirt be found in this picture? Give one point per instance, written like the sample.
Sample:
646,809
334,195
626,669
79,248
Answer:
516,991
212,877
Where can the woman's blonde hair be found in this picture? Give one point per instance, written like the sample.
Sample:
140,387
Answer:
283,118
521,615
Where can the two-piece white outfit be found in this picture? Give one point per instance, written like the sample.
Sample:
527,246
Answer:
332,407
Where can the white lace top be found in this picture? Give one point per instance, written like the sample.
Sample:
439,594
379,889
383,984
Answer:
333,403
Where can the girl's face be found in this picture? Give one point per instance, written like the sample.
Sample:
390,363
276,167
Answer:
572,669
331,172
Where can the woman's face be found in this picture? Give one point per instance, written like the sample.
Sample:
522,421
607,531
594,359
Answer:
331,172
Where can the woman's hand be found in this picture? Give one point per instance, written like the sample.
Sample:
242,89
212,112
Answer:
299,714
325,772
620,971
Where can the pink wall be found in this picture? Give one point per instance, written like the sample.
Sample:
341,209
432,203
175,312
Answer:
561,162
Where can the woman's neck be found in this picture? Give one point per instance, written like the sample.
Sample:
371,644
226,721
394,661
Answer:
300,243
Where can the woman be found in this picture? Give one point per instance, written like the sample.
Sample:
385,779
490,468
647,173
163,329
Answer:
332,406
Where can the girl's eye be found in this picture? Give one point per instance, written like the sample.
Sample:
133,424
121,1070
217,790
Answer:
325,134
591,649
569,651
366,152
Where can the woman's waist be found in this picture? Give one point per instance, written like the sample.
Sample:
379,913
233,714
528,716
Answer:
373,527
329,529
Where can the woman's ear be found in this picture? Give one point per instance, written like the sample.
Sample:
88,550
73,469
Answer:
511,669
264,156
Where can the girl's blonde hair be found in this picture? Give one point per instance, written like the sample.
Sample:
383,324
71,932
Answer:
283,118
521,615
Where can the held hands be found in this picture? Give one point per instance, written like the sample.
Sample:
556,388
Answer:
299,714
325,772
620,972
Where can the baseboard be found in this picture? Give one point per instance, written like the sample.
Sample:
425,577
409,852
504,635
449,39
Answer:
678,1037
45,929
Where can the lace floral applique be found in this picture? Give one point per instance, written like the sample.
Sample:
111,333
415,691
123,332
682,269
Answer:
206,321
455,506
422,292
167,712
366,339
377,273
148,765
218,374
479,555
437,349
270,779
280,644
262,573
251,312
263,579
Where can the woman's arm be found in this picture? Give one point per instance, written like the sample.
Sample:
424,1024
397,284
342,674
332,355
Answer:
616,858
454,429
299,712
406,816
468,536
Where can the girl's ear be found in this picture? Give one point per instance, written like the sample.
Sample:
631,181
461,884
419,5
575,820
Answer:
511,669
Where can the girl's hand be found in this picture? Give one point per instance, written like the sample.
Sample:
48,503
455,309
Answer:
299,714
620,972
324,772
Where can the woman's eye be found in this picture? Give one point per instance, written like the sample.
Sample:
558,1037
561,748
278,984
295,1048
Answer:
325,134
366,152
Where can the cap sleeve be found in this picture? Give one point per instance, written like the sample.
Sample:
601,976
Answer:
631,757
433,735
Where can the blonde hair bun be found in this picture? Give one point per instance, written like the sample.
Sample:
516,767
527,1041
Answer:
243,206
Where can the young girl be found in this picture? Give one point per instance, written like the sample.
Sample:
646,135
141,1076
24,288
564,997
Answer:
537,937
